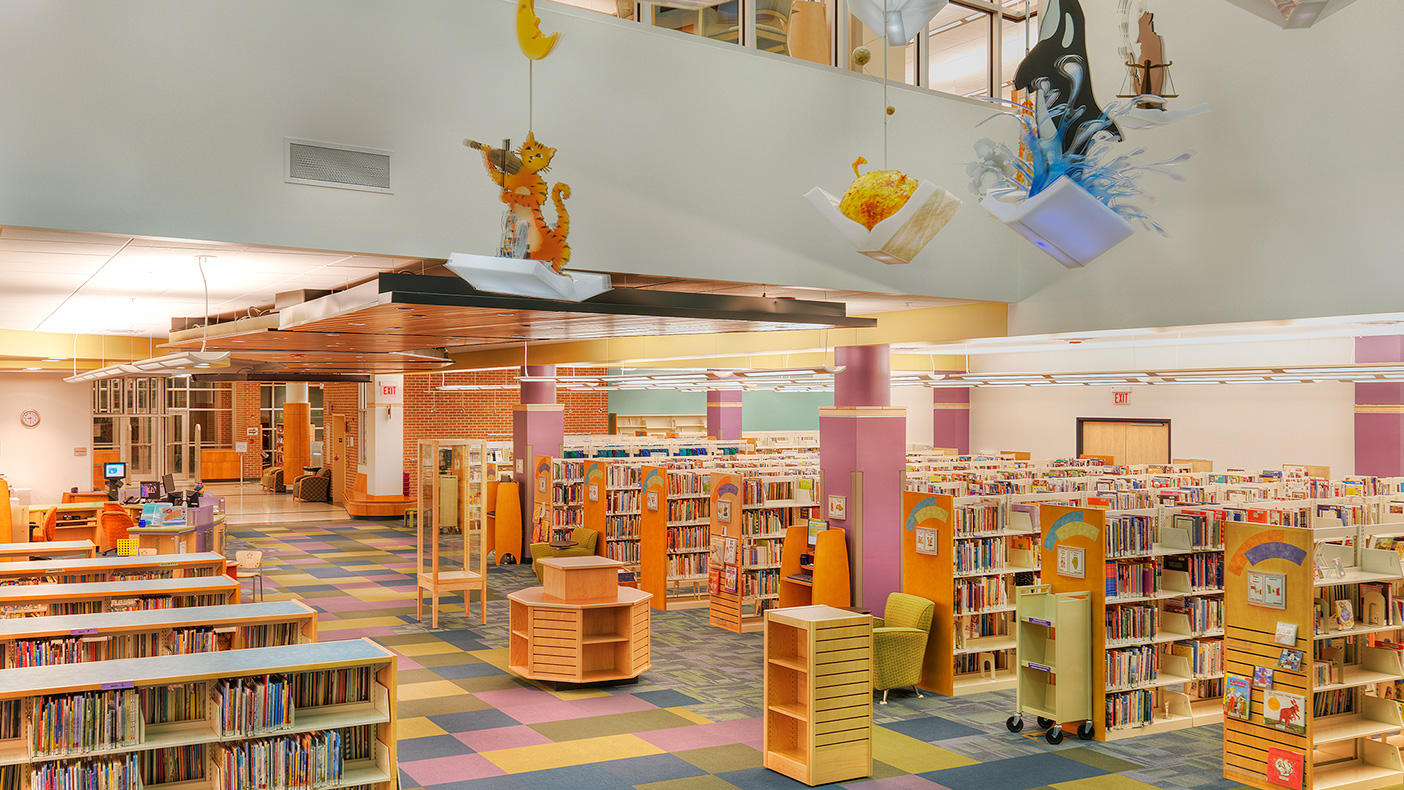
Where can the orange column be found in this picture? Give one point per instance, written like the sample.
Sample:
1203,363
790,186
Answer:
297,440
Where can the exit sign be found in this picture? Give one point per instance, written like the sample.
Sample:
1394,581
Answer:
387,389
1121,397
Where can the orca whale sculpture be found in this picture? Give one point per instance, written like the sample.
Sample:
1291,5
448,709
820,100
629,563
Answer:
1056,69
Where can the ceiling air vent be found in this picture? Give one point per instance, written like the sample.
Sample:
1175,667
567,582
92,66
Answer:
341,166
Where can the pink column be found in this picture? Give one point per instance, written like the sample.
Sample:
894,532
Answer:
862,453
950,417
724,414
538,428
1379,411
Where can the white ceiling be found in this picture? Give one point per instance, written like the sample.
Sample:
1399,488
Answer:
90,283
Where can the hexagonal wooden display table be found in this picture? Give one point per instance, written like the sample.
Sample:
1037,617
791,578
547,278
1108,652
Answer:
580,626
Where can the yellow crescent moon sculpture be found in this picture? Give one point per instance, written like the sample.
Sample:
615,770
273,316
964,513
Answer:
534,44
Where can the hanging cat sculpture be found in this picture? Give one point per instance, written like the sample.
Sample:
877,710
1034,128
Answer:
524,188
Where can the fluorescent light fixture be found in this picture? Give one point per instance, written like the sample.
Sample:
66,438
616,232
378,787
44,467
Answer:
156,366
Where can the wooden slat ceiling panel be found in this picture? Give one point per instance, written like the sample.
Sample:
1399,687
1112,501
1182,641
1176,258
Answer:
280,340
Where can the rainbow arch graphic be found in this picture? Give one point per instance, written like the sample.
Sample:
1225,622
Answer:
926,510
1067,526
1267,545
595,472
544,465
727,488
654,477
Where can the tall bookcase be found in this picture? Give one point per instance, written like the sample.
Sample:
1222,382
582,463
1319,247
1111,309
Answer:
818,694
750,514
567,496
173,724
1160,648
1336,729
959,553
673,536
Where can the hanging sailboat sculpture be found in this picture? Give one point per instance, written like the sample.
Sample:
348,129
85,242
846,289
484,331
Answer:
1069,189
1148,72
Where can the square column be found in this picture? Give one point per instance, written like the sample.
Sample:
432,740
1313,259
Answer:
862,456
1379,411
538,428
950,418
724,414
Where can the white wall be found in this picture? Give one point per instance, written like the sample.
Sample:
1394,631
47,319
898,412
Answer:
1242,425
917,401
386,438
1291,200
42,458
685,156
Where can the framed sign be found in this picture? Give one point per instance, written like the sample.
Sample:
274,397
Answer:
724,511
652,500
926,538
838,507
1072,562
594,491
1267,589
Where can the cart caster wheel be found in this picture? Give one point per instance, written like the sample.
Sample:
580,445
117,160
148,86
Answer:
1085,731
509,559
1054,736
1014,723
1045,723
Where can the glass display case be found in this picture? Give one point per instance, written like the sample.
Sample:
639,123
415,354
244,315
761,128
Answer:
451,554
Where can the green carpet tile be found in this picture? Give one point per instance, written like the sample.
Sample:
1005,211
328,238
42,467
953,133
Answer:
692,722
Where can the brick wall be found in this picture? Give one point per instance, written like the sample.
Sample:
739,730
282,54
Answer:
485,414
342,399
224,419
245,399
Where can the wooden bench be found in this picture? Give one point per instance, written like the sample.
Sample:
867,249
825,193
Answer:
359,504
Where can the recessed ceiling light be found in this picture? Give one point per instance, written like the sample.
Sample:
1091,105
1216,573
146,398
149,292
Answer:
56,359
333,334
357,323
238,341
404,308
506,314
29,369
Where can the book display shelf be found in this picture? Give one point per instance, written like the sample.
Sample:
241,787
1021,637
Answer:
113,568
207,721
818,716
567,497
622,511
1305,613
579,626
1055,661
750,514
1159,597
451,559
78,638
35,600
674,536
961,553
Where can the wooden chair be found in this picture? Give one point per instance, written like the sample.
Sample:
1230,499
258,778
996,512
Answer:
250,567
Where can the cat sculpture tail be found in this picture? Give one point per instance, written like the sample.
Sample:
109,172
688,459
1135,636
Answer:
553,240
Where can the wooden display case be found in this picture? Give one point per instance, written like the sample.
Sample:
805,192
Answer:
451,553
818,694
579,626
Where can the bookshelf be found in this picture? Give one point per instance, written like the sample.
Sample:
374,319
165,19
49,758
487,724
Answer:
102,569
78,638
33,600
621,512
451,553
661,424
962,554
818,716
1161,642
173,723
749,515
829,581
1055,661
567,496
20,552
673,536
1341,716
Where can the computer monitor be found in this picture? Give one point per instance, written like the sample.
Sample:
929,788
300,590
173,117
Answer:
151,490
168,484
114,471
816,525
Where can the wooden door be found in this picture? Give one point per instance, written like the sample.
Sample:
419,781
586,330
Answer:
337,444
1126,441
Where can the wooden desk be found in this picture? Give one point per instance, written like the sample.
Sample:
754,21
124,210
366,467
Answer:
166,540
66,548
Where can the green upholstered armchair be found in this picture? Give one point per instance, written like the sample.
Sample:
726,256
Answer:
899,642
585,546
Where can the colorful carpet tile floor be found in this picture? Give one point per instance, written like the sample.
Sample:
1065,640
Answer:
692,722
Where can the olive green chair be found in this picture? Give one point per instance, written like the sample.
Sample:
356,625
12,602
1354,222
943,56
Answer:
585,540
899,642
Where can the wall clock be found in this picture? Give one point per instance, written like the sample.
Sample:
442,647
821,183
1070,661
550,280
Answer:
29,418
